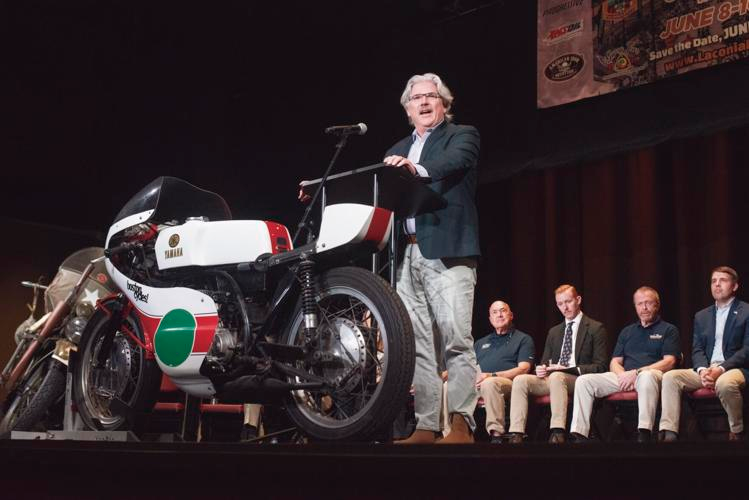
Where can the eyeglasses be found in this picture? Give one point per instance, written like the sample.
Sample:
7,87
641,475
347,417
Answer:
418,97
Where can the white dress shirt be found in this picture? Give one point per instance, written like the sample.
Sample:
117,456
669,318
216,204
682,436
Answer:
414,155
721,316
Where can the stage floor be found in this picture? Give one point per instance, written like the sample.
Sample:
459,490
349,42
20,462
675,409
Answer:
78,469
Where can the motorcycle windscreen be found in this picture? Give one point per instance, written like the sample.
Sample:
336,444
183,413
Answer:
174,199
98,284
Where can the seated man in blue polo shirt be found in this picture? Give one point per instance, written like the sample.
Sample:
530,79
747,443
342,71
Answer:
502,356
644,351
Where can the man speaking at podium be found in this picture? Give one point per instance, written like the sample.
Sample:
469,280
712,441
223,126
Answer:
437,275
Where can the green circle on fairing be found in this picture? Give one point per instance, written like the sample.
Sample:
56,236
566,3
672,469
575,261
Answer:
174,337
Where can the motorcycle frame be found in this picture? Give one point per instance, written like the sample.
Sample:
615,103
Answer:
10,380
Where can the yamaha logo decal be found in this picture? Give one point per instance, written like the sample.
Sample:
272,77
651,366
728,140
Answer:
174,240
171,253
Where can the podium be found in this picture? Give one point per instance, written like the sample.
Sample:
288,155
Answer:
383,186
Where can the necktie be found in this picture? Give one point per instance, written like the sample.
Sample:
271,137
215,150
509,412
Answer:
564,359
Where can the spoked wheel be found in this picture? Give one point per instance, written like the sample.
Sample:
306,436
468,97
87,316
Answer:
30,404
363,348
125,385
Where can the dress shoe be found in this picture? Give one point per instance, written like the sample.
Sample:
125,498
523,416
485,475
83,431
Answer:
737,436
643,435
460,433
557,437
516,438
420,436
495,439
578,438
668,437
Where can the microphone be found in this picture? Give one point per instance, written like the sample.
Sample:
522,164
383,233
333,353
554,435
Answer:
359,128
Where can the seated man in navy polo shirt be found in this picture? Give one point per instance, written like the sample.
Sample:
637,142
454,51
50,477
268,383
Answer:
501,356
644,351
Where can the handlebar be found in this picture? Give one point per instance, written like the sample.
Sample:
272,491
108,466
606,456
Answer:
125,247
29,284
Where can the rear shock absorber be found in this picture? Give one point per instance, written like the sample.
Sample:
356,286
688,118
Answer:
309,305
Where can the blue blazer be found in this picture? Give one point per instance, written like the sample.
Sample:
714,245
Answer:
735,337
450,155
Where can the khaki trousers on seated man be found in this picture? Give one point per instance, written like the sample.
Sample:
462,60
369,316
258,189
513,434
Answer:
558,385
495,392
728,387
589,387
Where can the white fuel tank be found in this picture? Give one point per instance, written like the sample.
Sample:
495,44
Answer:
203,243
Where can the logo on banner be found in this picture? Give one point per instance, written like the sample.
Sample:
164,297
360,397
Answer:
616,10
562,33
564,67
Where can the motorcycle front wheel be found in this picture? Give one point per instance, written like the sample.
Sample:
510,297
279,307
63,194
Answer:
37,393
366,344
110,396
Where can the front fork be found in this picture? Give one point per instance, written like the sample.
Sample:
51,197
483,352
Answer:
117,314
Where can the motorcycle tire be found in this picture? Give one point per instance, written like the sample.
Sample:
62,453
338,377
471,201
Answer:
36,395
114,396
365,330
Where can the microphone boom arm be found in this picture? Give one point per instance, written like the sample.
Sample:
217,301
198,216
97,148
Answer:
303,224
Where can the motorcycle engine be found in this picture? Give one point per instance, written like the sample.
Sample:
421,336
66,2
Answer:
222,347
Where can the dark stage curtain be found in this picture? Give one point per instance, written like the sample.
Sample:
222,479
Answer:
664,216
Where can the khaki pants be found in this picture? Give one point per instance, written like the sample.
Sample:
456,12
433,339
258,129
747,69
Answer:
559,386
494,391
599,385
727,387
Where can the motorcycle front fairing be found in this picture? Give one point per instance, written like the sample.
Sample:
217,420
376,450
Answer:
179,322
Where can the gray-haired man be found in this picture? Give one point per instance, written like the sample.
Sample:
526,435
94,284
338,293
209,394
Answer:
437,276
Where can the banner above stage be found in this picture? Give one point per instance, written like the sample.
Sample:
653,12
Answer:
593,47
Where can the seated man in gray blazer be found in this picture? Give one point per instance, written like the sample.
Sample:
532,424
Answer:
720,356
585,341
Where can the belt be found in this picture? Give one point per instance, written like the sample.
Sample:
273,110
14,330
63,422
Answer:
411,238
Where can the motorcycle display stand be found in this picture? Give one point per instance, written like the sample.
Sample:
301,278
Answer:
73,428
383,186
111,436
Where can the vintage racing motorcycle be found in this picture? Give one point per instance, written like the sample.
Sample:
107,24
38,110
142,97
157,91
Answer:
33,380
229,310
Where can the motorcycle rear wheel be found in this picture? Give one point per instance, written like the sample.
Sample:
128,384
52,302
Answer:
365,327
43,386
128,376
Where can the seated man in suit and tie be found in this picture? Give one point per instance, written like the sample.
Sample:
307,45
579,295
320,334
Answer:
574,347
502,356
644,351
720,356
